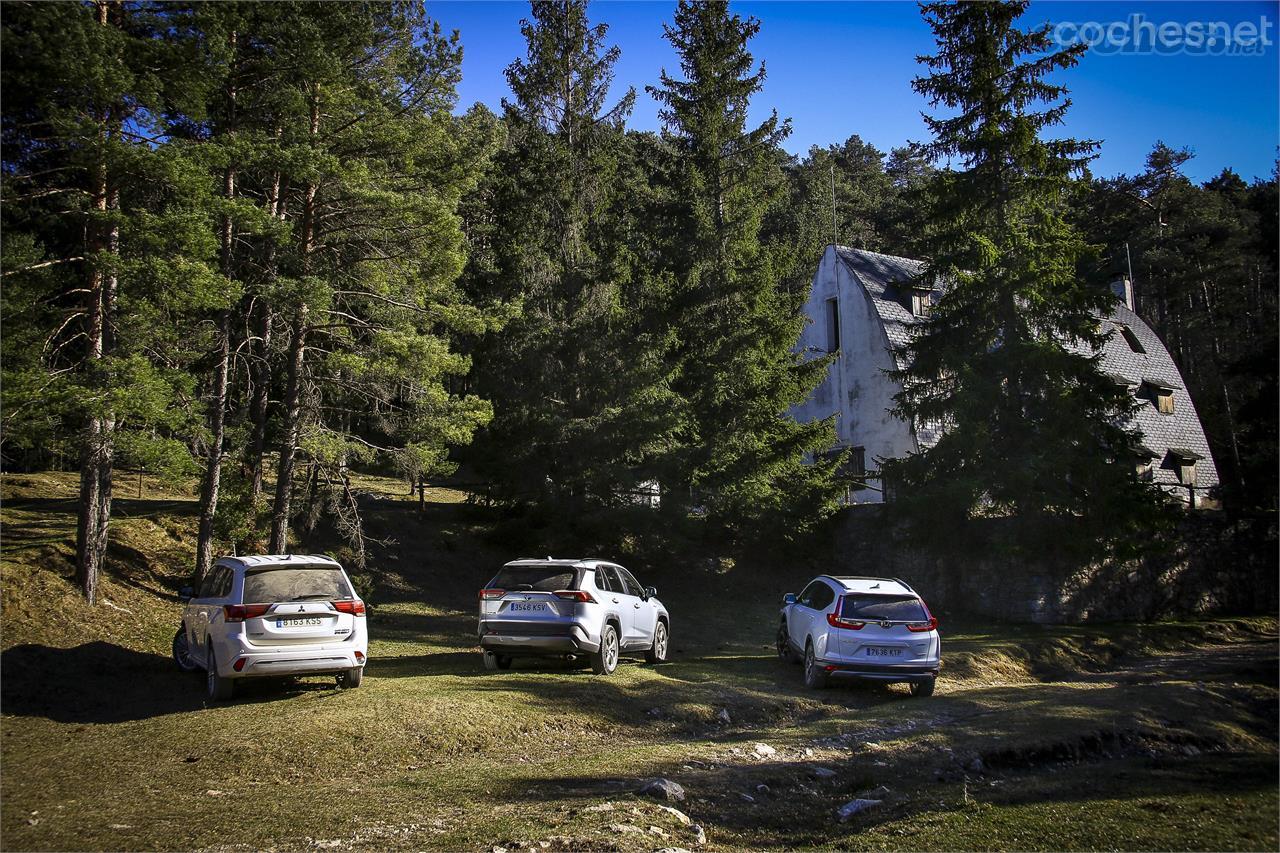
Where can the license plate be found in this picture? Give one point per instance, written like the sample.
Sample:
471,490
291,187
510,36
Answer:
881,652
294,623
525,607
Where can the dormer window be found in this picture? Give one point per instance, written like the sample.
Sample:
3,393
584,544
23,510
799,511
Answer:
1160,394
1183,461
1131,339
917,298
1144,463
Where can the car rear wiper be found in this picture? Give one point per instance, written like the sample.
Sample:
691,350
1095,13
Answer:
312,597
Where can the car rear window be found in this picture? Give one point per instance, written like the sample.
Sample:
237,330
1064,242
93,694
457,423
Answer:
294,583
536,578
873,608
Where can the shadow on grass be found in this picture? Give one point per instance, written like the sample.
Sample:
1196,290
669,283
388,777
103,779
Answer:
104,683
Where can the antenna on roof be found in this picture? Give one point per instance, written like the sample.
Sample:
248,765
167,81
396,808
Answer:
835,237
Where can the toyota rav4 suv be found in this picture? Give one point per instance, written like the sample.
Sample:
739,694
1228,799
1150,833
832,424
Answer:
870,628
568,608
282,615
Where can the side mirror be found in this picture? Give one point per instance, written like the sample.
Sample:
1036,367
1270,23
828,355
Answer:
186,593
789,598
650,592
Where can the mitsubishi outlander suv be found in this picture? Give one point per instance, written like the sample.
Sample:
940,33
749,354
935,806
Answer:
570,608
279,615
869,628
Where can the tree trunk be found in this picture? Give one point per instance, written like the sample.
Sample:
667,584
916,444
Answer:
218,403
213,467
261,369
94,513
289,440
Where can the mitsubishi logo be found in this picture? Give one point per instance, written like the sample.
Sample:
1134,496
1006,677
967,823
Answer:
302,608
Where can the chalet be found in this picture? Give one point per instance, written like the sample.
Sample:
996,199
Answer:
862,306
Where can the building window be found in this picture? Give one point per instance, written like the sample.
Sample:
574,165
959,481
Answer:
857,464
833,325
1161,396
1187,472
920,303
1130,338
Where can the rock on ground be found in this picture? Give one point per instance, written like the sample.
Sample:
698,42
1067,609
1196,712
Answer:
763,750
683,818
663,789
854,807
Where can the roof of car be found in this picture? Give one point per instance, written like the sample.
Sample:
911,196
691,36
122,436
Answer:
889,586
262,560
584,562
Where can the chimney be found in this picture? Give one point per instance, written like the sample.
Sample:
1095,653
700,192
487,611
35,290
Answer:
1123,289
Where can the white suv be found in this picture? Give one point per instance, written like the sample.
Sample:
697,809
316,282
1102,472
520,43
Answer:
567,608
280,615
871,628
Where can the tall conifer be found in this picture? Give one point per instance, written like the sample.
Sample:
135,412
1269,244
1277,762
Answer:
1031,426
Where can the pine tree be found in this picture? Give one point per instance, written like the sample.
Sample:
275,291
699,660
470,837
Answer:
735,322
578,379
101,238
1032,428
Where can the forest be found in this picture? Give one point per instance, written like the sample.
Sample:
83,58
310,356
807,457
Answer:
262,246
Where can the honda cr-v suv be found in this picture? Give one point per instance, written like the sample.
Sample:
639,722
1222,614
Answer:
281,615
872,628
571,608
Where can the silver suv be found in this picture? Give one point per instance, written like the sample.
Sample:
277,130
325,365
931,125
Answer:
871,628
567,608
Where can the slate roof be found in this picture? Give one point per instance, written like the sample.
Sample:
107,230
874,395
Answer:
880,274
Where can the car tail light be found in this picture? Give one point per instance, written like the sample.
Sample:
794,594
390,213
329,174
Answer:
355,608
241,612
238,666
836,622
359,657
491,594
920,627
579,595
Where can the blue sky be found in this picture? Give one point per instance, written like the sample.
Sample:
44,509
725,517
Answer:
839,68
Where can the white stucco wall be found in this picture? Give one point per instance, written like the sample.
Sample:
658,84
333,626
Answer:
857,389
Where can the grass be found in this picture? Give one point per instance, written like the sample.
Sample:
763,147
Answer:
1157,736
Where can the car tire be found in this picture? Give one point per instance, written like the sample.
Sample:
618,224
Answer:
494,661
217,688
815,677
182,652
784,645
351,679
605,659
923,688
661,640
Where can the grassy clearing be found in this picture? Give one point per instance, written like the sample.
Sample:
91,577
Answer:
1109,737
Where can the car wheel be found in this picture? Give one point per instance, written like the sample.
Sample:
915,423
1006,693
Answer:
605,658
658,654
922,688
495,661
351,679
815,676
784,645
182,652
217,688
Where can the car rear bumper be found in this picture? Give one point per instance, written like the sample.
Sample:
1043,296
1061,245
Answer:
536,638
311,662
882,672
